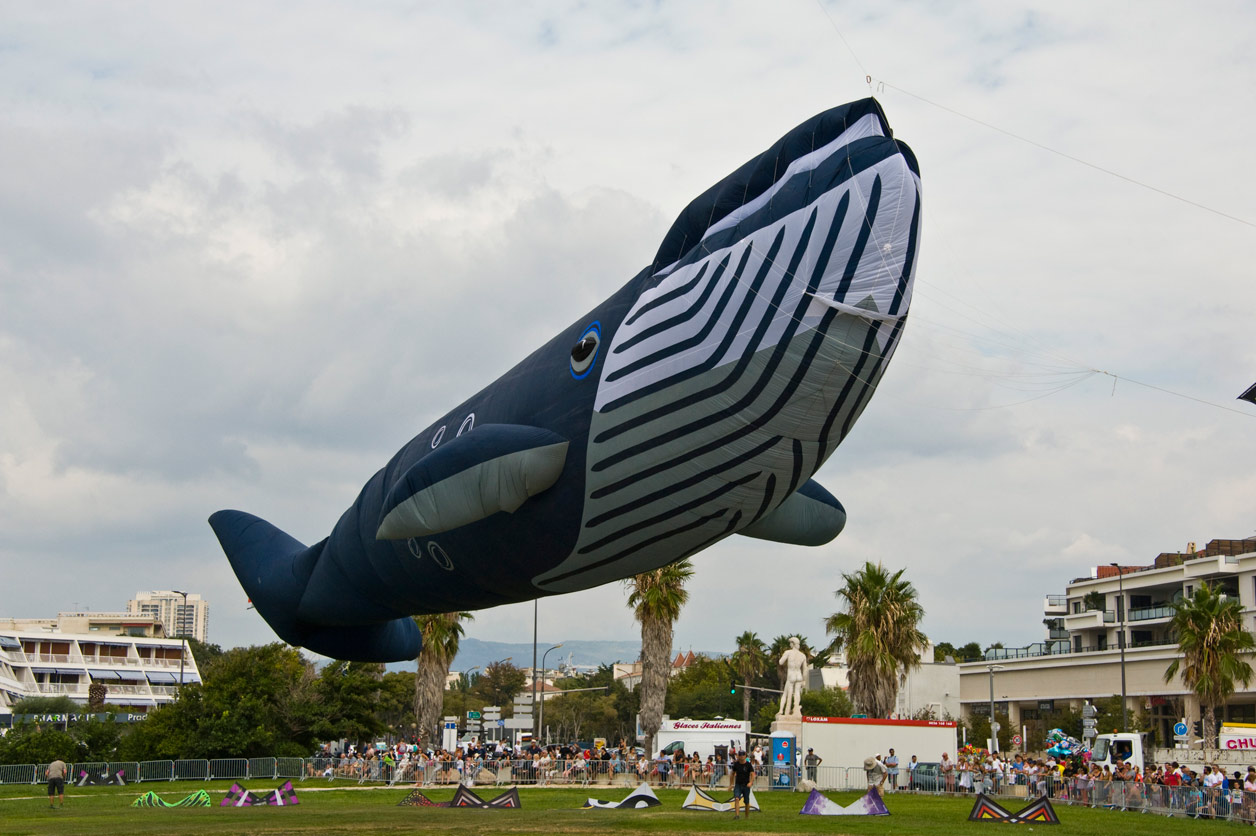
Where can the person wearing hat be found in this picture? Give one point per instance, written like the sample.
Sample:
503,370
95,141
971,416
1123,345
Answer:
876,771
811,762
740,778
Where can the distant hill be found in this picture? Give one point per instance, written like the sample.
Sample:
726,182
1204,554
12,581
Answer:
474,652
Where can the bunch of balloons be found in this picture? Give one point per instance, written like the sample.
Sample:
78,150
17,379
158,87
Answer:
1060,745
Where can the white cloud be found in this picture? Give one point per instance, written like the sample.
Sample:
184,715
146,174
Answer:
247,251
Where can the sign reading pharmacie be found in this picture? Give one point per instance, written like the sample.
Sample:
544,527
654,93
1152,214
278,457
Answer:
8,720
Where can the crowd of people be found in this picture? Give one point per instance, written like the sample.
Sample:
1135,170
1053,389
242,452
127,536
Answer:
1207,792
530,763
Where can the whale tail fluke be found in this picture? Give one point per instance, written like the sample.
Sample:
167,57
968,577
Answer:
274,568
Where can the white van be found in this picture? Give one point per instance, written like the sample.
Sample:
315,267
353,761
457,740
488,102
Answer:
701,736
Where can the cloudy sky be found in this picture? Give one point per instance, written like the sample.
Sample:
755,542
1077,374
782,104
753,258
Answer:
247,250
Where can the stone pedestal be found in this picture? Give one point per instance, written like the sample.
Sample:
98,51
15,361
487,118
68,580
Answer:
789,723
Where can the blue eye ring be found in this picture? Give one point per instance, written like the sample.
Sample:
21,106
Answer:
582,359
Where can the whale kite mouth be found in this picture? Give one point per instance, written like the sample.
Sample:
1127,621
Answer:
853,310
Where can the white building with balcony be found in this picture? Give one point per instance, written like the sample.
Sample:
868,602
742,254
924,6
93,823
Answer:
182,615
1080,658
129,654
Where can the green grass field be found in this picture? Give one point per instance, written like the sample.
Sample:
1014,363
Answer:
107,811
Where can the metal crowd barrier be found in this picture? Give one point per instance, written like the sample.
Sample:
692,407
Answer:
1183,801
229,769
156,771
262,768
191,770
1195,802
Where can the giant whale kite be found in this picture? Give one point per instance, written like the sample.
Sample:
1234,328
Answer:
694,403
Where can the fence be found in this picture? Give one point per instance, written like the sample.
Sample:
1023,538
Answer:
1185,801
425,771
1192,801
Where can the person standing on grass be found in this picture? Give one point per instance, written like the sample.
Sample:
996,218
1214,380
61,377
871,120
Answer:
740,778
56,782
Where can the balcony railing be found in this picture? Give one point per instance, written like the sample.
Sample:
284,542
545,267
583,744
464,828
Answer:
1057,600
1061,648
1145,613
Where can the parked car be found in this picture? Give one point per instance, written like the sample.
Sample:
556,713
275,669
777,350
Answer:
926,777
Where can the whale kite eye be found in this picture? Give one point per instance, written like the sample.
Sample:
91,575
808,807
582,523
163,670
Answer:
584,348
584,353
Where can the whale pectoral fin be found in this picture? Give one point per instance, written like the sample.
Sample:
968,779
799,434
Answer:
811,516
495,467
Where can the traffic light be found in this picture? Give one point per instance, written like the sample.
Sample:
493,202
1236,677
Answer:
1198,728
732,687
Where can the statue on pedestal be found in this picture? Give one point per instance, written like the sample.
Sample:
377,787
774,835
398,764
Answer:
793,668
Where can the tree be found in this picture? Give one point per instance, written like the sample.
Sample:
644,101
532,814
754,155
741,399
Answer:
944,649
204,654
395,708
827,702
879,631
1211,638
656,599
970,652
349,693
441,634
254,702
701,690
750,660
499,683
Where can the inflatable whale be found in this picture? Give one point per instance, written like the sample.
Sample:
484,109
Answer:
694,403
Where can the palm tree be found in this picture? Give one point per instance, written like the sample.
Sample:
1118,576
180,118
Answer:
879,630
1210,634
441,633
656,598
749,661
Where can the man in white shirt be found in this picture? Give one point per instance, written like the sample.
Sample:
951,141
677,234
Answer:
891,764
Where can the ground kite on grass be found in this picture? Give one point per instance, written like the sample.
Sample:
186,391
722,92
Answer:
871,804
1039,811
238,796
638,799
700,800
464,797
102,778
200,798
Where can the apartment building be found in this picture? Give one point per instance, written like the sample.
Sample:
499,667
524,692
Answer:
1116,608
182,615
130,654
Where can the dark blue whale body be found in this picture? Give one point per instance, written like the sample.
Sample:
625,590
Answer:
694,403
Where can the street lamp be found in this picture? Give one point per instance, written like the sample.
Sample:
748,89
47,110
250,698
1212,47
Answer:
1120,640
497,694
183,633
534,622
540,723
994,727
466,686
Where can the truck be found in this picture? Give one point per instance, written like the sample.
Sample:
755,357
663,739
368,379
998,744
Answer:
1236,747
1111,750
846,741
706,737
